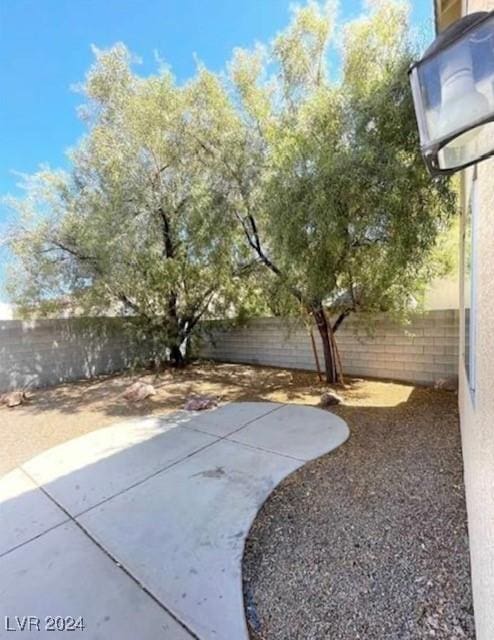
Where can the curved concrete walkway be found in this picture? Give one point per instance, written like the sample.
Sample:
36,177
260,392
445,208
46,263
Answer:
139,528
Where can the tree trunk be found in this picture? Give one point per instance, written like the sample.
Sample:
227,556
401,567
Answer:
332,370
173,326
176,356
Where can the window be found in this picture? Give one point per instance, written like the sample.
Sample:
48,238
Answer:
469,275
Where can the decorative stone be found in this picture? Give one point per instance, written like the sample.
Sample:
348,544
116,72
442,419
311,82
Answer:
14,398
446,384
139,391
330,398
200,403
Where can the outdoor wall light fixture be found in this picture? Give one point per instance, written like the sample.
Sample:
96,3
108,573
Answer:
453,94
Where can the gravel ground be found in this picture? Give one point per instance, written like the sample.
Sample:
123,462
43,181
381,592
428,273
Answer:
370,541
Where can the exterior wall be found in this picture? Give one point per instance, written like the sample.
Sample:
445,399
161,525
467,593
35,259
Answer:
421,352
477,410
444,293
447,11
6,311
47,352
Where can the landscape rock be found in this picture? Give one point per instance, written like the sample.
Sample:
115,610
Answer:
330,398
447,384
139,391
14,398
200,403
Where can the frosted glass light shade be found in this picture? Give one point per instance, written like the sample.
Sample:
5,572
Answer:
453,92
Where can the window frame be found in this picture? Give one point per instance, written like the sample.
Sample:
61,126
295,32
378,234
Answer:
470,338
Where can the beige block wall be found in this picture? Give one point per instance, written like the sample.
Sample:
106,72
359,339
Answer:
46,352
421,352
477,412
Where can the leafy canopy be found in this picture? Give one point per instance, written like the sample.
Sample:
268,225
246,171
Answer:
281,175
138,224
341,197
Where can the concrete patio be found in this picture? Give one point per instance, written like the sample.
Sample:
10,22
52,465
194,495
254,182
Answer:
139,528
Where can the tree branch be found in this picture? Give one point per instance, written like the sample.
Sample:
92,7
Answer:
340,319
168,248
189,322
72,252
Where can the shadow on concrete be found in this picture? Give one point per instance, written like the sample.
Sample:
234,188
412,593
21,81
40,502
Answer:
150,463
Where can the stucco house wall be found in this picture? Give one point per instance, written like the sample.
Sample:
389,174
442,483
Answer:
477,405
444,293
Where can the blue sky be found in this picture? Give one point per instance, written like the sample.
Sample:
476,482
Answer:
45,48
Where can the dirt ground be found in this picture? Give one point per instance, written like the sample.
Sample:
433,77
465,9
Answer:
60,413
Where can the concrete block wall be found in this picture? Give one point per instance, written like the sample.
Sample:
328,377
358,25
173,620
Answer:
46,352
421,352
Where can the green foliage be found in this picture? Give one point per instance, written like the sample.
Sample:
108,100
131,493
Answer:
138,225
281,178
344,209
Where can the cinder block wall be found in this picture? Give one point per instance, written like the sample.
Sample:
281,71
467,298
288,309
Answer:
46,352
420,352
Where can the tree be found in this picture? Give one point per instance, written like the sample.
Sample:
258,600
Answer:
325,175
184,201
136,226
